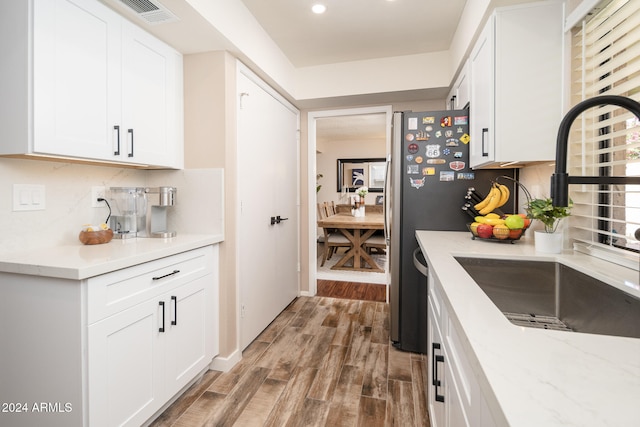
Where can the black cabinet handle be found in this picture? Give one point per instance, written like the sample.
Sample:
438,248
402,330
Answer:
485,131
117,151
130,131
161,329
439,397
434,369
434,346
453,102
166,275
175,310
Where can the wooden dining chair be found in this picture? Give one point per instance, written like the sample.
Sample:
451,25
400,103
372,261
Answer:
377,242
332,239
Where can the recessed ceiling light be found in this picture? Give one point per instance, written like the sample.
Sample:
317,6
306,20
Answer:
318,8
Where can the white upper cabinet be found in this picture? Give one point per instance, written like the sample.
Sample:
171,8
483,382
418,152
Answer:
459,95
151,100
516,85
101,88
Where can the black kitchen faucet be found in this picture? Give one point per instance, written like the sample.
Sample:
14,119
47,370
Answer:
560,180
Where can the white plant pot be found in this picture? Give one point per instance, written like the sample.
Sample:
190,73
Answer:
550,243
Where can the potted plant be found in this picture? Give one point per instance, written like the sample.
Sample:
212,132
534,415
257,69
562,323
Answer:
544,211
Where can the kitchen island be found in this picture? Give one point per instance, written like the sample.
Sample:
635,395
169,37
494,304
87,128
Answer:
106,334
526,376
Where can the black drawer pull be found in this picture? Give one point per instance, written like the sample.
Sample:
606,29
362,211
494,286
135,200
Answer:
167,275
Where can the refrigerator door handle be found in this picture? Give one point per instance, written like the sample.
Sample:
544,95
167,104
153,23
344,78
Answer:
423,269
385,201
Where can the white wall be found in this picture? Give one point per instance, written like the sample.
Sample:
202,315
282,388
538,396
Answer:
68,200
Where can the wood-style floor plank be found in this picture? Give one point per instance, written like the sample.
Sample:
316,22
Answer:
323,362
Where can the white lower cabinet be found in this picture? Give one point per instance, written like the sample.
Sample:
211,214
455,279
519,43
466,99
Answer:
453,395
140,357
111,349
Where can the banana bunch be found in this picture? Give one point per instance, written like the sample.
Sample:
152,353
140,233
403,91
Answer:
497,197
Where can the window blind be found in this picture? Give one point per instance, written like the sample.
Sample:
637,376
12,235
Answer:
606,140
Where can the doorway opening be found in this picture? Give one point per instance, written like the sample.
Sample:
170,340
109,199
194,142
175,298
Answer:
354,133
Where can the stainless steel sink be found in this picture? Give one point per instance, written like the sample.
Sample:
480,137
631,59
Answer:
553,296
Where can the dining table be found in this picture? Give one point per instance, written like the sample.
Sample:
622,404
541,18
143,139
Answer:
357,229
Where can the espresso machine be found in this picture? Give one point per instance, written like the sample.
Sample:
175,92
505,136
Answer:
141,211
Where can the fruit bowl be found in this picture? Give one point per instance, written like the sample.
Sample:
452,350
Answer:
508,235
96,237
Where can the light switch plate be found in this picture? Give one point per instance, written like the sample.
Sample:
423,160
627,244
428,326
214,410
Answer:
29,197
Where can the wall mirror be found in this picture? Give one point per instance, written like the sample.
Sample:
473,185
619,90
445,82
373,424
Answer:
354,173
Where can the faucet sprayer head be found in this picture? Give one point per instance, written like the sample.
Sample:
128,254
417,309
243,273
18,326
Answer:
560,180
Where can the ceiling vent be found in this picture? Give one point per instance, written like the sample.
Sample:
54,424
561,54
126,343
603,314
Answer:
150,11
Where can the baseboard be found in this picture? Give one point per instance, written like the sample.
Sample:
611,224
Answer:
225,364
306,294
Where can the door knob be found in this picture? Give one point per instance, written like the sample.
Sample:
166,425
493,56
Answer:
277,219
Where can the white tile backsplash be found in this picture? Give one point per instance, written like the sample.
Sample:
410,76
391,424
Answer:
199,207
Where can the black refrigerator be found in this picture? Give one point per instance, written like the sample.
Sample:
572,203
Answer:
428,177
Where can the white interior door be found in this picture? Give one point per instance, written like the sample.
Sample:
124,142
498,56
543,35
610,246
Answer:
267,187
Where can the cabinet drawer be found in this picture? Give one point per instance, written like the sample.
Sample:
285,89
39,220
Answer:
113,292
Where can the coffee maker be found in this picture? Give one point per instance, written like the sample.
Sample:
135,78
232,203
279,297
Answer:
128,211
158,200
141,211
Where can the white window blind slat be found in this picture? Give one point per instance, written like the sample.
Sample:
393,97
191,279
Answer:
606,140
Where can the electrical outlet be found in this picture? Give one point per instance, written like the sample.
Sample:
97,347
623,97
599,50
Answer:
98,193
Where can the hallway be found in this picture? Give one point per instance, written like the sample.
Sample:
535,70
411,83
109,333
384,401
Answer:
322,362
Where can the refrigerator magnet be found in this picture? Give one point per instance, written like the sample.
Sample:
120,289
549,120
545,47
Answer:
466,175
433,150
419,159
445,121
412,169
409,137
447,176
416,183
465,138
412,123
461,120
452,142
428,120
457,165
428,171
413,148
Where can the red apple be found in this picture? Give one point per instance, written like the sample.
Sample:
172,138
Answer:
485,231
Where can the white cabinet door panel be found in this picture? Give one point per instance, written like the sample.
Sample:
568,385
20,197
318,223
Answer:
187,330
75,106
125,362
149,98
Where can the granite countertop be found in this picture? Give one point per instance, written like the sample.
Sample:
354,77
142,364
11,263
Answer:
534,377
78,261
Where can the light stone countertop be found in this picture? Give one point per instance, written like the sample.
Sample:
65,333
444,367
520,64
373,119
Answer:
78,261
534,377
